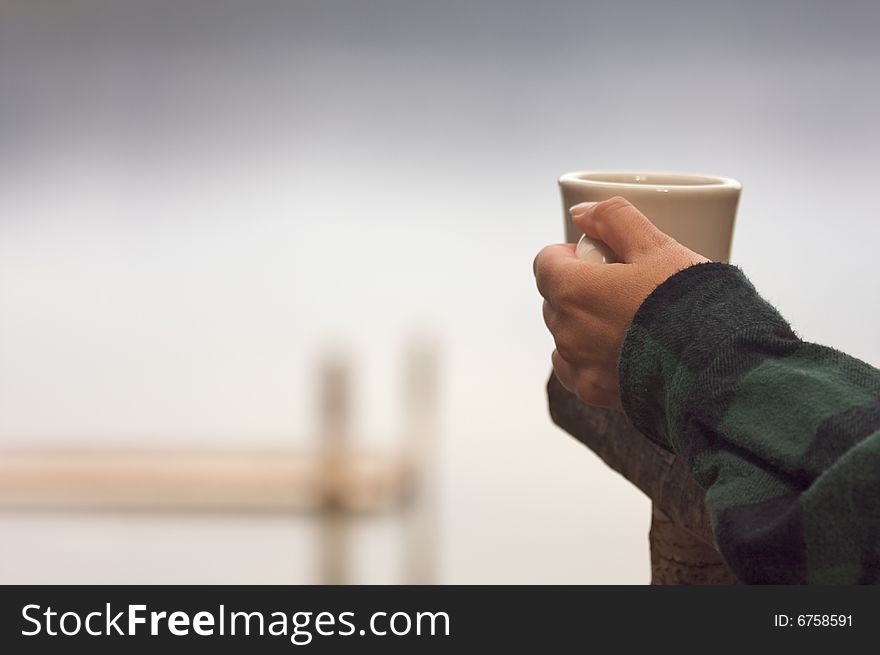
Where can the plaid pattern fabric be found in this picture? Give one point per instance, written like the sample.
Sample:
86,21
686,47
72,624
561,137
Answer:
783,435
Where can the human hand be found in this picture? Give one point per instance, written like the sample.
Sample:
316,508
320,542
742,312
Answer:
589,306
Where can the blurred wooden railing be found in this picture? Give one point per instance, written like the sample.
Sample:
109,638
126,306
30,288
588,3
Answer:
192,481
331,483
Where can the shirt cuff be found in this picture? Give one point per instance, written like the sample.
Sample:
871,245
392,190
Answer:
675,336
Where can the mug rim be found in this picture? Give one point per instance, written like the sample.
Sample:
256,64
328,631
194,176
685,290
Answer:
667,180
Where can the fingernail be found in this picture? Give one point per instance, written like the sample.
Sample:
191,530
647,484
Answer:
580,210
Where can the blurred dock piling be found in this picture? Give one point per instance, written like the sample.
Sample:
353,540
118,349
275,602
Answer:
331,484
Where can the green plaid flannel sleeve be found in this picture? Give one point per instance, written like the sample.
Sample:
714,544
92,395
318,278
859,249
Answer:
783,435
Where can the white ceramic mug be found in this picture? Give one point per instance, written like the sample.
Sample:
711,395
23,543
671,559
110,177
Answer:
698,211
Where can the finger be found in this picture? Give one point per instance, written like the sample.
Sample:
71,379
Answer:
557,252
558,270
564,372
550,316
550,264
625,229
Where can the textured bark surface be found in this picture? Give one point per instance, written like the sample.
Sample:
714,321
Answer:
682,545
680,558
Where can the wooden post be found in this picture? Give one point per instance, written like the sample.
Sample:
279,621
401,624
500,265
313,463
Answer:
683,548
334,432
680,558
419,394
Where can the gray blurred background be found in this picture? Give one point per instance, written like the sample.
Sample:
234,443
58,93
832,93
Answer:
199,198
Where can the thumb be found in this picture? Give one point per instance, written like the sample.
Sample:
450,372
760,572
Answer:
625,229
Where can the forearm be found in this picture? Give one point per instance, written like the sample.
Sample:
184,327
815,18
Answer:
783,435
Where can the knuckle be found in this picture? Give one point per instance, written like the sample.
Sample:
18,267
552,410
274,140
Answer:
539,259
568,347
563,349
651,240
608,209
663,241
545,271
551,319
661,244
538,264
566,351
561,371
566,293
542,281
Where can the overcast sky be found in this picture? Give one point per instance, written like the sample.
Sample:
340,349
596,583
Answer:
198,198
